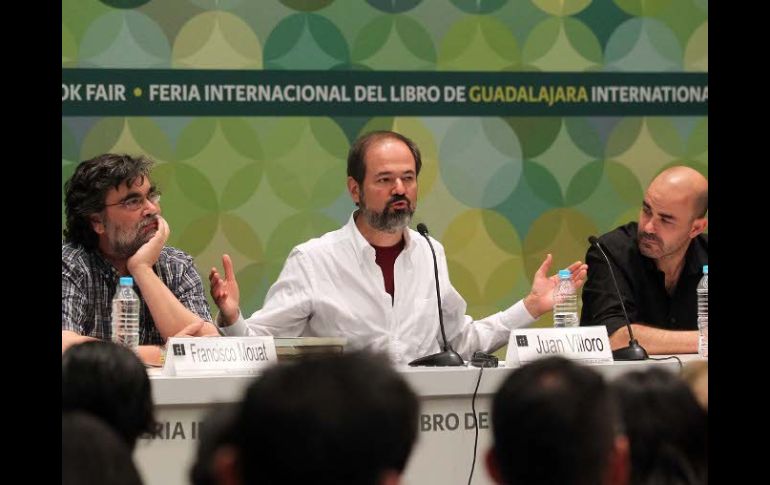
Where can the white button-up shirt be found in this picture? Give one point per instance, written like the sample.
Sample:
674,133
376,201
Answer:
332,287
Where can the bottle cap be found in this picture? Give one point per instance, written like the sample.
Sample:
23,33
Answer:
126,281
705,269
564,274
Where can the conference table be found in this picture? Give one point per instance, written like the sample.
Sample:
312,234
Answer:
442,454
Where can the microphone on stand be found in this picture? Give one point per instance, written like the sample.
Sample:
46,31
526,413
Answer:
634,351
448,357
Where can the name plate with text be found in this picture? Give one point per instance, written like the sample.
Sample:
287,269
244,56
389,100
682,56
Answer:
587,345
212,356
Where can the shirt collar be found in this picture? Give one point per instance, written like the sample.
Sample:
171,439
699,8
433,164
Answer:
104,265
695,256
109,270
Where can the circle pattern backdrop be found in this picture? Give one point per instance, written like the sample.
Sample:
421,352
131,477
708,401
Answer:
499,192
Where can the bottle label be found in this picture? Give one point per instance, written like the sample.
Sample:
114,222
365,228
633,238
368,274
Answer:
125,320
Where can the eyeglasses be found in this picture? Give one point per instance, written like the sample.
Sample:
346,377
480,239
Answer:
135,202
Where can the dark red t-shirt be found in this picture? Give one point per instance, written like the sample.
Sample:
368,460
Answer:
385,257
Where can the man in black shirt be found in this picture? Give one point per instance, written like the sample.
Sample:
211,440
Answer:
658,263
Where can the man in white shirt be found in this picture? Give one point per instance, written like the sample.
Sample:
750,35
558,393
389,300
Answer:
372,281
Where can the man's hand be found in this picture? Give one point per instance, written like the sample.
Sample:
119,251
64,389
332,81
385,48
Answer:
148,253
225,291
540,298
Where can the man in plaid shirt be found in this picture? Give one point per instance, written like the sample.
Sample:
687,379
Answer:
113,229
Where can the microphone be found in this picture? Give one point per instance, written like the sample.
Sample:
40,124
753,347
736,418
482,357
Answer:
634,351
448,357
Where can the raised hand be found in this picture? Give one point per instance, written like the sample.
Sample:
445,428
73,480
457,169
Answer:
540,298
225,290
148,253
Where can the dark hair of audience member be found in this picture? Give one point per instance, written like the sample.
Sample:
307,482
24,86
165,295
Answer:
108,381
666,426
342,419
93,454
553,421
216,431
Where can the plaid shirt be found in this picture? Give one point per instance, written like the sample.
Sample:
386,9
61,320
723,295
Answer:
88,283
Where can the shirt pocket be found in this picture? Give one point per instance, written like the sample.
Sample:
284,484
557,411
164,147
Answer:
426,325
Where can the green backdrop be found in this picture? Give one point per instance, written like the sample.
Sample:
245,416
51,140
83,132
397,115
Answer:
498,191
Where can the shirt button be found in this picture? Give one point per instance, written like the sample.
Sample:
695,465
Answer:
673,319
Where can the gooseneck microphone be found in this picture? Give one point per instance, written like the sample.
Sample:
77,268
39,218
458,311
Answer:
634,351
448,357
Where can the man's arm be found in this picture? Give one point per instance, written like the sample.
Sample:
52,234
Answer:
601,302
287,307
491,333
74,303
70,338
601,305
153,354
169,314
657,340
148,354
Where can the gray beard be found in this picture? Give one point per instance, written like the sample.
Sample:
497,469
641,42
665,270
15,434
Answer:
127,248
388,221
125,244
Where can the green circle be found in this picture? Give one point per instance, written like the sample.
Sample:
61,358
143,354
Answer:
307,5
394,6
124,3
306,162
480,161
305,41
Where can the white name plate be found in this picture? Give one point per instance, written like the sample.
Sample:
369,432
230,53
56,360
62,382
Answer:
213,356
588,345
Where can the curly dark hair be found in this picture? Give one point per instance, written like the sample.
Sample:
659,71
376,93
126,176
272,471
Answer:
87,189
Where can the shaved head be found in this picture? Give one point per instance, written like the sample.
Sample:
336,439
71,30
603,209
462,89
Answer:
673,212
684,183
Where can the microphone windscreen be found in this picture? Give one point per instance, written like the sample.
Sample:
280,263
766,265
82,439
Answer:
422,229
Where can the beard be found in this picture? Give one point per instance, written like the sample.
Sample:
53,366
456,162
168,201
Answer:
125,242
389,220
655,248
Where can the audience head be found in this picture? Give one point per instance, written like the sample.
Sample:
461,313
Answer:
342,419
110,382
93,454
216,435
666,427
554,421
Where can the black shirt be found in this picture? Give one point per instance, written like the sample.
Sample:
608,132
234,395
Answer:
641,284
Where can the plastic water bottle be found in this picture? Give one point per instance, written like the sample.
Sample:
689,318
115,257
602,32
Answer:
125,314
565,312
703,313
